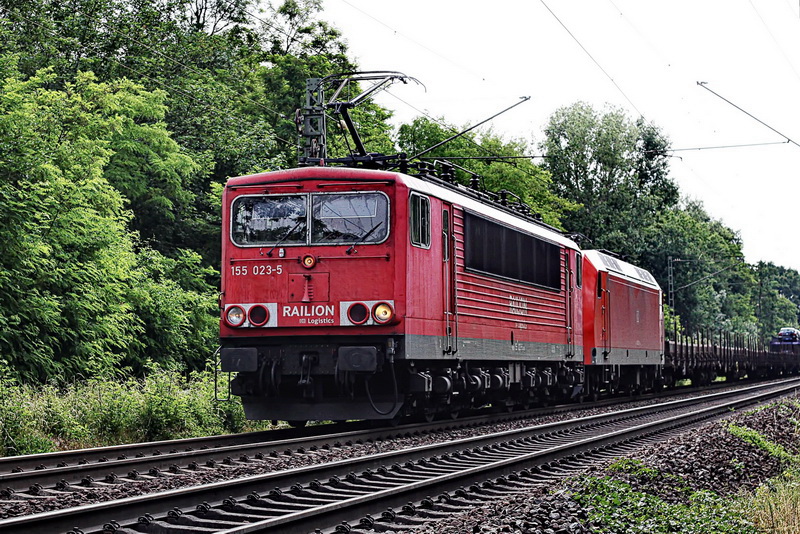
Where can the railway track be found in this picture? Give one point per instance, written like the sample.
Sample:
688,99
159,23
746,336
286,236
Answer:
47,474
37,474
362,490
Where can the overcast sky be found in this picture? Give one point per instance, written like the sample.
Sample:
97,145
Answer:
477,58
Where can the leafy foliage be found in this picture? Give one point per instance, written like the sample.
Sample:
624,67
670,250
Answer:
775,505
616,507
110,189
71,270
615,169
711,282
758,440
776,297
69,258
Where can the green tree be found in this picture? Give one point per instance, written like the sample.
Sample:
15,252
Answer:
776,298
299,47
616,169
177,311
712,285
199,58
69,268
67,259
231,80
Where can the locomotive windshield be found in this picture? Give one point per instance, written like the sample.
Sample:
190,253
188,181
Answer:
334,218
349,218
261,220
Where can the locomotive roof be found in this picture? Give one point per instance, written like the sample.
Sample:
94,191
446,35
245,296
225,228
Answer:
449,194
607,263
476,206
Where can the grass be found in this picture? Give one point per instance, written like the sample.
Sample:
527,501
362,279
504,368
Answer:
775,506
636,499
633,499
93,413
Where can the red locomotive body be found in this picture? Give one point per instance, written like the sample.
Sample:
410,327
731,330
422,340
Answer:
623,323
353,293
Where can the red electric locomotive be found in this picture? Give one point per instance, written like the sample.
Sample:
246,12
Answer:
623,325
355,293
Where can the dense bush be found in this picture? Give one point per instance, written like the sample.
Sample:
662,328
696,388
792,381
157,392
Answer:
80,295
96,412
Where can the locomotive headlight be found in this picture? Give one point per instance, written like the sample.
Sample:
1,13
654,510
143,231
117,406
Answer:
382,312
235,316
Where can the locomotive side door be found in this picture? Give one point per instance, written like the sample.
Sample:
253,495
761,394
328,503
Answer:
449,281
570,304
604,307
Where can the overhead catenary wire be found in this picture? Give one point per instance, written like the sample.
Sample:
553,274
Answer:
719,147
423,113
437,145
704,85
774,40
597,63
492,155
424,47
685,149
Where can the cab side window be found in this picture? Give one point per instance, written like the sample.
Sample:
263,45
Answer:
419,217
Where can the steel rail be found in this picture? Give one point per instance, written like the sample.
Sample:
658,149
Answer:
291,436
95,516
35,472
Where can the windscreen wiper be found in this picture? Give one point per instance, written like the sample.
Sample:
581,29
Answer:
363,238
284,238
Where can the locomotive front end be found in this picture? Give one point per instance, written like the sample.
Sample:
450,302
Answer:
310,318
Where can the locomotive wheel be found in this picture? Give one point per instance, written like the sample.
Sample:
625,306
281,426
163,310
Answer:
429,417
454,414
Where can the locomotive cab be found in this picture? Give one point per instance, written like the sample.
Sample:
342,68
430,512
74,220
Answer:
311,319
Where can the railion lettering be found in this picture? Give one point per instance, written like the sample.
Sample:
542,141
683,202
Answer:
308,310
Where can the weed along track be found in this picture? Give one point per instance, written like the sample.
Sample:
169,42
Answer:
417,481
